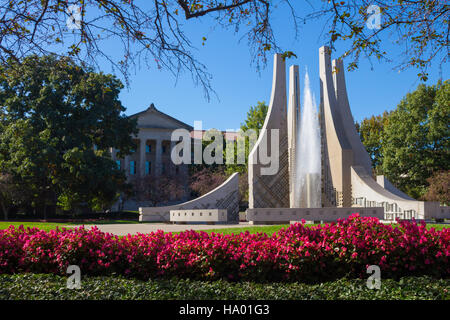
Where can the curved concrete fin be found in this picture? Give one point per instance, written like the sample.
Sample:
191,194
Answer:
360,155
225,196
276,117
346,160
337,153
366,188
362,174
386,184
293,124
269,182
328,98
361,158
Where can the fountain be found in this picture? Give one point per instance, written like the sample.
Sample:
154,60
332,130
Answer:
324,171
320,173
308,158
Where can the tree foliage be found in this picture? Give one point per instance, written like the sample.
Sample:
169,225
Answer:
371,134
419,28
10,194
254,121
255,117
153,33
159,189
59,121
416,140
439,189
205,180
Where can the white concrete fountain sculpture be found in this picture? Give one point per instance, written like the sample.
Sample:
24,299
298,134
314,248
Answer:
324,174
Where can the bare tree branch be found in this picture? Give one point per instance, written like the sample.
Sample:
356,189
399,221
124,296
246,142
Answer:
152,33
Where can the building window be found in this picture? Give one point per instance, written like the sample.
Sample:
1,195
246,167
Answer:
163,168
163,149
148,148
118,164
132,167
147,167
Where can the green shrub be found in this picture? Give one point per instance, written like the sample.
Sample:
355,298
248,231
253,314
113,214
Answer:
49,287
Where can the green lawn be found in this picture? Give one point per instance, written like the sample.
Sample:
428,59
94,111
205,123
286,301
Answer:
264,229
275,228
438,226
252,229
53,225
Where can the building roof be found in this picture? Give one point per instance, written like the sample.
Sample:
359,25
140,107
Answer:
228,135
195,134
152,109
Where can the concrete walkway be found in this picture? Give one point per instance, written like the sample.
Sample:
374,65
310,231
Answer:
124,229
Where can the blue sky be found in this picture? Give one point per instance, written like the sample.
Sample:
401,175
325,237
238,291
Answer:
239,85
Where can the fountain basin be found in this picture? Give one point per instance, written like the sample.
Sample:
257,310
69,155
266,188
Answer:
286,215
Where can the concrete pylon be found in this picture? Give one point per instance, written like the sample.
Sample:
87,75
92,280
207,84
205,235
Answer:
337,153
293,123
268,167
360,155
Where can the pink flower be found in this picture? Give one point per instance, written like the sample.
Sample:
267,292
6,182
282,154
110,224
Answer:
241,256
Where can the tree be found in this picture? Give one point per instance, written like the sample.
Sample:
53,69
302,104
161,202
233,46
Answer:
254,121
153,32
89,178
59,121
371,133
205,180
255,117
8,192
159,189
205,176
420,28
416,138
439,189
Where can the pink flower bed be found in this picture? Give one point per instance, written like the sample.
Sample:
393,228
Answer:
297,253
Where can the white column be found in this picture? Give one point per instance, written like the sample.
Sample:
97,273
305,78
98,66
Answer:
142,157
158,157
171,164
